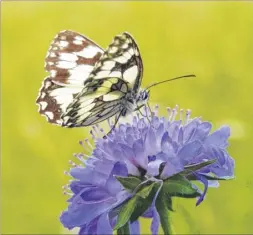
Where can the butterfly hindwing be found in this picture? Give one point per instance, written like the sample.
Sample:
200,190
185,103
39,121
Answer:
70,60
96,102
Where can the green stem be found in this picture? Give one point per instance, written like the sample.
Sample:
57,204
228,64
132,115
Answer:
162,205
124,230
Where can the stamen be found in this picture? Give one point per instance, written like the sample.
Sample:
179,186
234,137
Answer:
66,187
156,109
66,173
67,193
187,117
181,114
174,113
88,143
80,156
169,112
72,163
92,135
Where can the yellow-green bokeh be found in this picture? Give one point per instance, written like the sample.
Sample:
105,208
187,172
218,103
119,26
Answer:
213,40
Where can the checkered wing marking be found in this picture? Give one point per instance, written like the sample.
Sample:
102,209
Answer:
98,101
122,60
118,71
70,60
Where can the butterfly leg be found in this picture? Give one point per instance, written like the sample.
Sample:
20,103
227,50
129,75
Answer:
115,122
146,116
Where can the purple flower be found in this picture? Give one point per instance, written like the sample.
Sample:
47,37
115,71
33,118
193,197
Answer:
151,148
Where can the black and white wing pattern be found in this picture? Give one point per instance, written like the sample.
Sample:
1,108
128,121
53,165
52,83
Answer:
117,73
70,60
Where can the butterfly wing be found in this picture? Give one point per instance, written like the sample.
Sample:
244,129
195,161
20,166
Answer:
118,72
122,60
98,101
70,60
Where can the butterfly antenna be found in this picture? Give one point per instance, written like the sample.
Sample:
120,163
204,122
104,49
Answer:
171,79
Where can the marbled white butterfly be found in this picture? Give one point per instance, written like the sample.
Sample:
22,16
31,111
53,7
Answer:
87,85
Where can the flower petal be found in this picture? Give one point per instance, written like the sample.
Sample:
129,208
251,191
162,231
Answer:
155,222
166,144
83,214
134,228
171,167
140,156
202,131
190,151
190,128
150,142
202,179
94,195
219,137
103,225
153,168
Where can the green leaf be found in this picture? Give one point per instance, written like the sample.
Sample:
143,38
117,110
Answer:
124,230
161,207
208,177
126,212
129,183
181,187
195,167
144,192
144,201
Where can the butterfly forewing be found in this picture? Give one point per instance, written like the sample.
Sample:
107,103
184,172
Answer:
122,60
70,60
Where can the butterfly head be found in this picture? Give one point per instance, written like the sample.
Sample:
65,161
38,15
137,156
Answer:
142,97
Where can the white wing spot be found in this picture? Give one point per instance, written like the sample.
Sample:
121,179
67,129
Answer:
66,64
42,95
63,43
108,65
116,74
53,73
68,57
63,37
127,55
50,62
121,59
48,84
88,52
59,122
52,54
79,38
77,42
54,48
131,74
113,50
50,115
125,46
43,105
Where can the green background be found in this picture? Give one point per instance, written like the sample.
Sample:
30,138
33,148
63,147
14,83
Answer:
213,40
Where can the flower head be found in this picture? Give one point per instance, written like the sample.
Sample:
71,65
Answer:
151,148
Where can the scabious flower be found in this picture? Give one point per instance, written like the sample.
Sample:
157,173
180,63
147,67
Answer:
137,163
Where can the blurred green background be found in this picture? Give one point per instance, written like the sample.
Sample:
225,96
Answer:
213,40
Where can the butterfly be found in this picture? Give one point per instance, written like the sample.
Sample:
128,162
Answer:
87,84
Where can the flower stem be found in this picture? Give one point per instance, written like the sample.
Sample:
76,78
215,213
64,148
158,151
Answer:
162,205
124,230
